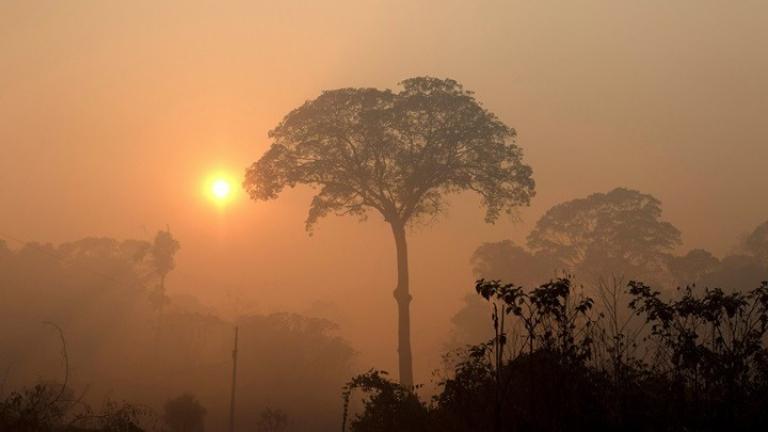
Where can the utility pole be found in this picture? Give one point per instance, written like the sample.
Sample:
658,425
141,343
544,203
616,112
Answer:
234,379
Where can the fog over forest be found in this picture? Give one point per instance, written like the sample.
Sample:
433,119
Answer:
415,216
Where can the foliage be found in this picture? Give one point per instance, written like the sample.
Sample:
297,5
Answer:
53,407
397,153
507,261
33,409
162,258
164,249
388,405
121,418
713,342
757,242
546,313
469,324
620,232
736,272
604,235
45,408
272,420
184,414
692,267
707,369
99,291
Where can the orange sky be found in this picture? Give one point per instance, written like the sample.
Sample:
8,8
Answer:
111,116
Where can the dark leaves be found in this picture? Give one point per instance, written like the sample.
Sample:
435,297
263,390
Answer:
397,153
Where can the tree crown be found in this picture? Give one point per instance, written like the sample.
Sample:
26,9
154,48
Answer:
398,153
757,242
621,227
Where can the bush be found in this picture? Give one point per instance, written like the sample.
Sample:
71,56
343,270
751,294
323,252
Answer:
703,366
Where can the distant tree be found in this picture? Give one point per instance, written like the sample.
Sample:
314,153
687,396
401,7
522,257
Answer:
272,420
121,417
506,261
757,242
398,154
692,267
106,259
163,252
301,361
184,414
737,272
469,325
99,292
619,231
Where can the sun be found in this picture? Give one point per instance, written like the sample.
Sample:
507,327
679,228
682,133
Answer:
219,188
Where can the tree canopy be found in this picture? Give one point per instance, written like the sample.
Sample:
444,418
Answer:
164,248
757,242
504,260
184,414
397,153
621,229
692,267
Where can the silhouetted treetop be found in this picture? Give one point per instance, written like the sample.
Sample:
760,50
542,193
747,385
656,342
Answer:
398,153
184,414
621,227
504,260
737,272
693,266
164,250
757,242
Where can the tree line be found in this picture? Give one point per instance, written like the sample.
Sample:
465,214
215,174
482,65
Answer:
605,239
138,356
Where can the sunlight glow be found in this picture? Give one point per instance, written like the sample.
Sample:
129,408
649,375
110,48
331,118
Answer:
220,188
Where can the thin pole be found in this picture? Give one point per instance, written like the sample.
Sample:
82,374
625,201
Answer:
234,379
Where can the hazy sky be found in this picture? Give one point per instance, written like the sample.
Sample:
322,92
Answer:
113,113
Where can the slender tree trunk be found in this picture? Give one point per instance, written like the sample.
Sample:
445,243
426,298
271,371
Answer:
403,298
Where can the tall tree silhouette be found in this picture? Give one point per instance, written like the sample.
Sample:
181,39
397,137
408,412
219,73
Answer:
398,154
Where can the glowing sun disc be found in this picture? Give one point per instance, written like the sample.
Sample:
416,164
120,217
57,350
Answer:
221,189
